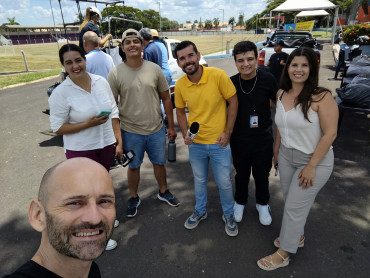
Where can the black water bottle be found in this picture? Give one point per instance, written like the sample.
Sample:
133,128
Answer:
172,151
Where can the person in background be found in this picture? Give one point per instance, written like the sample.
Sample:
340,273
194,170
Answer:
277,60
74,213
270,32
164,66
307,120
92,17
97,62
205,91
74,108
152,52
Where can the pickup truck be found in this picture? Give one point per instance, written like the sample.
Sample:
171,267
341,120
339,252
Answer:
292,40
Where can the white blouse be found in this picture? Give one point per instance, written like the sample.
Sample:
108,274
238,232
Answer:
71,104
295,131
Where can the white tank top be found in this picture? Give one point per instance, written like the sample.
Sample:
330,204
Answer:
295,131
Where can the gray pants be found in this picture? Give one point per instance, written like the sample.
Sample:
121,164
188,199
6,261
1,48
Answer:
298,201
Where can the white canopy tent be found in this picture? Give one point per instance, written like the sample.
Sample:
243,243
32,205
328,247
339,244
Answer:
304,5
308,5
312,13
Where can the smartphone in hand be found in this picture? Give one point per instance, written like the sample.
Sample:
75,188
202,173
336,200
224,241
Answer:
103,113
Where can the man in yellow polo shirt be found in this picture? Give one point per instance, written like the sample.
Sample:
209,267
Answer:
205,91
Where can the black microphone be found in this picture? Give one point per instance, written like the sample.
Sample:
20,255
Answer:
193,130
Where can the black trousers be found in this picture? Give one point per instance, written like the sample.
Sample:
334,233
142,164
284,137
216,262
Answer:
255,158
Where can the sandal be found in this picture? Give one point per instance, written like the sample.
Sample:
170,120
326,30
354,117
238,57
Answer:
268,265
277,242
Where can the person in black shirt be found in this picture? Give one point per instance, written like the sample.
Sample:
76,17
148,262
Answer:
75,214
90,24
252,141
277,60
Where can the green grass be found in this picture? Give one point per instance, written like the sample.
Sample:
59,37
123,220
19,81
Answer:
44,57
12,79
321,34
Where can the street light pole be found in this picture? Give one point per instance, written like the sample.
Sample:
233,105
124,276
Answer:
160,21
222,32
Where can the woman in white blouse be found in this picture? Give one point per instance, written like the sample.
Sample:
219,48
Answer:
74,107
306,119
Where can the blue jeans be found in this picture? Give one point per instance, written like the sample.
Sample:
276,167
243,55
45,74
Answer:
154,145
220,158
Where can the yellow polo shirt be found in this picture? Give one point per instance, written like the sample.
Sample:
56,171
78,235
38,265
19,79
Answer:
206,102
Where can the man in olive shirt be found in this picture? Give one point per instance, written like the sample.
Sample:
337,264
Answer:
140,85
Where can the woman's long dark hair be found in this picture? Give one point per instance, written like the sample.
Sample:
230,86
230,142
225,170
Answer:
311,86
70,47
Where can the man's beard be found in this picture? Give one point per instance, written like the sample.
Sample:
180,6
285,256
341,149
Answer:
196,67
60,237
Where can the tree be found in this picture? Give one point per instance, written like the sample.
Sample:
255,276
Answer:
195,21
241,20
216,22
12,21
119,26
208,24
232,22
169,24
150,18
188,21
200,25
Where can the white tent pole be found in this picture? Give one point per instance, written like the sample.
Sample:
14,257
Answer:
327,25
278,21
270,18
334,25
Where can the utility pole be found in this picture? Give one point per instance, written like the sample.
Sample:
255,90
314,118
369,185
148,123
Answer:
222,32
160,20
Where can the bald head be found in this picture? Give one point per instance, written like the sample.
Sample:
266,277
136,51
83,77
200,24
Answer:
91,41
70,170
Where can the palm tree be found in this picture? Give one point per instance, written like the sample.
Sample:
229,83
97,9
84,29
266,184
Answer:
12,21
232,22
216,22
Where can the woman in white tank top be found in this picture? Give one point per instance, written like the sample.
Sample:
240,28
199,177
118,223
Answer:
306,119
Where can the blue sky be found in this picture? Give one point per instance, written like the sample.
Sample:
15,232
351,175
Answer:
38,12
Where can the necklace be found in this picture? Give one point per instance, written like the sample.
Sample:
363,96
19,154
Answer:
240,83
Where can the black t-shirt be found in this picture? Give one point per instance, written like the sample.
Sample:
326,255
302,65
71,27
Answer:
257,102
275,67
90,26
32,269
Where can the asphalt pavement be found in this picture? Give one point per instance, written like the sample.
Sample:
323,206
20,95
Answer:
155,242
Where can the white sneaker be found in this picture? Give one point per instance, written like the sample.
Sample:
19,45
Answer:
264,214
111,245
116,223
238,212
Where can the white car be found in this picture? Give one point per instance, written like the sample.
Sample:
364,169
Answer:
175,69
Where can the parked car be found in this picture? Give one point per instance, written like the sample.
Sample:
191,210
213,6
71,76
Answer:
292,40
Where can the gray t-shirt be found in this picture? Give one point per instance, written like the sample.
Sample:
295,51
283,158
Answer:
139,103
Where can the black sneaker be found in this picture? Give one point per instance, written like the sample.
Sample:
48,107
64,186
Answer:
133,203
168,198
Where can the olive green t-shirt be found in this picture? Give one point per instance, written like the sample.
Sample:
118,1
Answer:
139,102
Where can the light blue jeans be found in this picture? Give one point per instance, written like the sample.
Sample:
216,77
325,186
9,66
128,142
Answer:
220,158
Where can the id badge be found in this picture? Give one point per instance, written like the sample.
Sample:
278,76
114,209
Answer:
253,121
